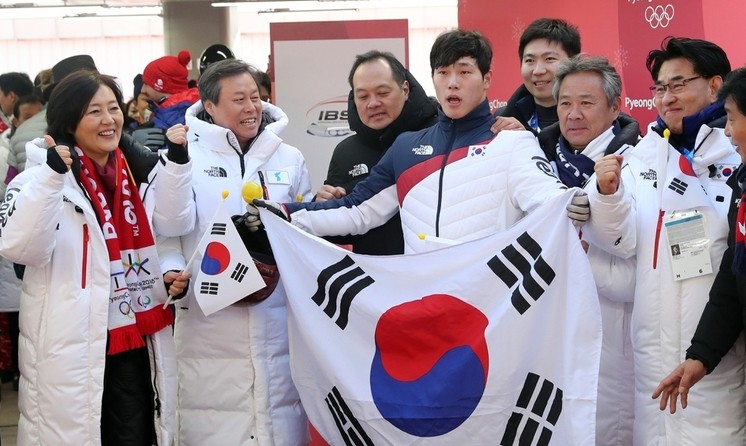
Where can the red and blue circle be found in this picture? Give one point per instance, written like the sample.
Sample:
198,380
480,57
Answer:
216,259
431,364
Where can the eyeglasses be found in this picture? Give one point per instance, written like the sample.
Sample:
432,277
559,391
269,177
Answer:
675,87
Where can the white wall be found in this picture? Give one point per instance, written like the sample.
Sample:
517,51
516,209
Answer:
122,46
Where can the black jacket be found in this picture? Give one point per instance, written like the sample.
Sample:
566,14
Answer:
724,315
354,157
521,106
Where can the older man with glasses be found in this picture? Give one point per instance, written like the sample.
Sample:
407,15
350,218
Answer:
671,191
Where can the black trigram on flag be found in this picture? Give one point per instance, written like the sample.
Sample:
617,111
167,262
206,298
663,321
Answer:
345,281
239,272
218,229
537,410
524,261
208,287
678,186
349,428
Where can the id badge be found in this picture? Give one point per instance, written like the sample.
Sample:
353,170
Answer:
688,244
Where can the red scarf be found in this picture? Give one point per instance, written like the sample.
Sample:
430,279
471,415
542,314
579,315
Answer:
137,290
739,249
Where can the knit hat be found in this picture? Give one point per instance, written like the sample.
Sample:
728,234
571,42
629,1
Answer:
168,74
72,64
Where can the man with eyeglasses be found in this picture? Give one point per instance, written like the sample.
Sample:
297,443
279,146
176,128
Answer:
672,191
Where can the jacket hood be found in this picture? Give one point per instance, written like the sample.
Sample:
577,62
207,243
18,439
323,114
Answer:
273,118
419,109
220,139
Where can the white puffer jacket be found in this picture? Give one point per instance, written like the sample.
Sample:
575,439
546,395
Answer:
49,225
666,312
449,182
234,376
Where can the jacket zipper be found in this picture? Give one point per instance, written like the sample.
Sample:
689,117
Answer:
449,148
85,256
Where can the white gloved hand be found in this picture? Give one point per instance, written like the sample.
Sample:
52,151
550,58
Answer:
272,206
251,218
579,210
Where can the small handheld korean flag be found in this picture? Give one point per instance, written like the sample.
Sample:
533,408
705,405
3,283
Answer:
227,272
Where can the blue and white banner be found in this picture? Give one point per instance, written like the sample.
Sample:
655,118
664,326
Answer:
494,341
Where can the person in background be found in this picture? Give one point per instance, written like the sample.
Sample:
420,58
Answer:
214,53
588,95
453,182
543,45
234,375
385,101
265,85
165,83
10,285
12,87
673,190
724,318
96,347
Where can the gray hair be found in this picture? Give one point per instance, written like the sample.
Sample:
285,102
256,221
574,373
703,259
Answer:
612,83
209,81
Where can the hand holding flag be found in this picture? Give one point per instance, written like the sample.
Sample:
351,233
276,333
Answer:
227,272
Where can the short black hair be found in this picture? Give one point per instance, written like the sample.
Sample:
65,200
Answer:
69,102
18,83
708,59
28,99
398,72
262,80
209,80
451,46
734,88
554,30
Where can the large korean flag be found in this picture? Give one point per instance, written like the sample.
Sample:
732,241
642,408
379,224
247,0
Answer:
494,341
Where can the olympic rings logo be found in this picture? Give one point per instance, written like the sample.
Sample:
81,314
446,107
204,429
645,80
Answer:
126,309
659,16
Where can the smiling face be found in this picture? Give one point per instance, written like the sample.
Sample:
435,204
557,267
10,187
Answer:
696,95
99,130
460,87
583,108
239,107
735,127
538,64
378,98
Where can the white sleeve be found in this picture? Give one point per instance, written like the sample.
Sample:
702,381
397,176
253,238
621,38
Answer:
29,216
614,276
175,211
612,224
531,180
353,220
170,254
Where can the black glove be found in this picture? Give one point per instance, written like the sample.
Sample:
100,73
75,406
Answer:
54,160
152,137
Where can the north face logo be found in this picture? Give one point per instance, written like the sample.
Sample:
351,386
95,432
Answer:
649,175
158,85
215,171
423,150
359,169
